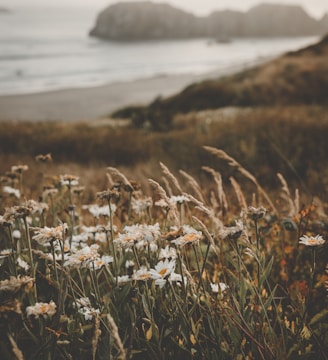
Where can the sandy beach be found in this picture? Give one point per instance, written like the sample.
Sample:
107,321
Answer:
82,104
88,103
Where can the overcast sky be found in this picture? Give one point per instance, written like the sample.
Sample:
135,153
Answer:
202,7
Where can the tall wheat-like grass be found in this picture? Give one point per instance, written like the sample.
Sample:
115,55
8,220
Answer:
183,271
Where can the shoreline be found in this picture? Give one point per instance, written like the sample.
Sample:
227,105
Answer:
91,103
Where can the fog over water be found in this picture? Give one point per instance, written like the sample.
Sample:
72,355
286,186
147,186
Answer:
45,50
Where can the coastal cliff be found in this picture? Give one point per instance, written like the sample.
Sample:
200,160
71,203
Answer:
136,21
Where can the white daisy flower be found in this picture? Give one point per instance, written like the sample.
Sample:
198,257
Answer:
11,191
162,271
45,235
190,236
168,253
312,240
42,309
141,274
215,287
23,264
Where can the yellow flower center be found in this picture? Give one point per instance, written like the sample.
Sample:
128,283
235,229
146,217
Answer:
162,272
143,276
44,309
190,237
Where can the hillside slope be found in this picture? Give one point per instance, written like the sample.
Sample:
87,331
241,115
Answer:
299,77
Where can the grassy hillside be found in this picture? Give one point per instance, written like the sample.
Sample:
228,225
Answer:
299,77
143,261
282,128
296,144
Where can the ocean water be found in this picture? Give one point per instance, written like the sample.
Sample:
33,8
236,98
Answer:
46,49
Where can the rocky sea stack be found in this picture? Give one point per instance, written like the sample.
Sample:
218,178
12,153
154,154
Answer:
144,21
136,21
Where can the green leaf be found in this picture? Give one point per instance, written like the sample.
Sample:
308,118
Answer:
145,306
266,272
319,317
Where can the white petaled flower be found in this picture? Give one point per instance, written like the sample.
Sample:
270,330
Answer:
37,207
127,240
84,257
138,235
19,168
168,253
256,213
123,279
45,235
83,302
232,232
141,274
16,212
82,238
220,286
42,309
139,206
98,211
6,220
69,180
5,253
84,307
312,240
162,271
11,191
153,247
89,313
177,278
189,236
101,237
171,202
15,283
129,263
49,192
103,261
179,199
23,264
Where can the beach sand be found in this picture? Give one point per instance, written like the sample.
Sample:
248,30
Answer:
88,103
82,104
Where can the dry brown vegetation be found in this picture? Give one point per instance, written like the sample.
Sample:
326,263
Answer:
244,282
289,140
297,78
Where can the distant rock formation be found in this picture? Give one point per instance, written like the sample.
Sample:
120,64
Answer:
134,21
144,21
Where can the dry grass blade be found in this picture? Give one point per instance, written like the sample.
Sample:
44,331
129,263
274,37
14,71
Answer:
167,186
232,162
110,180
173,179
208,235
116,336
158,190
286,194
240,196
218,180
194,185
18,354
200,206
118,176
95,338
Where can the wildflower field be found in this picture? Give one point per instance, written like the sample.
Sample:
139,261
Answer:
168,268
